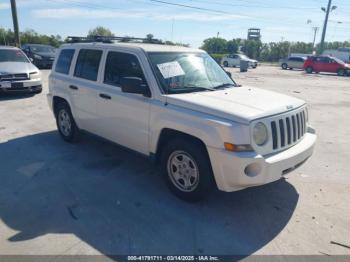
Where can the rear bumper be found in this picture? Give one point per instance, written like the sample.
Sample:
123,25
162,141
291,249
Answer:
27,86
236,171
43,63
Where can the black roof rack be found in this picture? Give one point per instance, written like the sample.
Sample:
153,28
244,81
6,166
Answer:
110,39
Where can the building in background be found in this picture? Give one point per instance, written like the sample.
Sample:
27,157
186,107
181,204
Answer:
343,53
254,34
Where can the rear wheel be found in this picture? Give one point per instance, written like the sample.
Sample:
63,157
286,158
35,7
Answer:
65,123
309,70
186,168
284,66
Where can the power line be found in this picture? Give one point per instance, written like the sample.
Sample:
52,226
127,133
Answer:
191,7
253,5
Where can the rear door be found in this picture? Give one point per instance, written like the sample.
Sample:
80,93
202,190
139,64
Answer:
123,117
292,62
84,87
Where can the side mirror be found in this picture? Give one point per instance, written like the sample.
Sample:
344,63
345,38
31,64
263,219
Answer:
31,59
134,85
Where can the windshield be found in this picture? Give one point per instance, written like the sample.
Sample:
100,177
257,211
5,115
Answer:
188,72
338,60
13,56
42,49
244,57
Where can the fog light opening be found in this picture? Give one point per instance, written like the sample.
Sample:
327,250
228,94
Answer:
252,170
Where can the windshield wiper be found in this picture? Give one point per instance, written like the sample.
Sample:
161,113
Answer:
199,88
223,86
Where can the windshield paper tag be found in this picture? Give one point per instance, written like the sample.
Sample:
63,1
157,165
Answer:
171,69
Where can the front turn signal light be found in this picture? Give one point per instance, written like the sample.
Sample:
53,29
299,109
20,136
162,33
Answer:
237,148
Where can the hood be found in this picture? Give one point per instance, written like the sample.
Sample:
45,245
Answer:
240,104
45,54
16,68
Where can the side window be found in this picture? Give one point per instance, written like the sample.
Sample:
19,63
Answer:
87,64
64,61
119,65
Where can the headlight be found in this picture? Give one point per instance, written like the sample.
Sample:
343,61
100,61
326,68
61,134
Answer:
38,57
34,76
260,135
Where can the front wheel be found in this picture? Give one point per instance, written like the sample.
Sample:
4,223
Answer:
284,66
341,72
187,170
65,123
225,64
309,70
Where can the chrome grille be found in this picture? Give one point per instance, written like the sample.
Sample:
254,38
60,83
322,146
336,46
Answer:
14,77
288,130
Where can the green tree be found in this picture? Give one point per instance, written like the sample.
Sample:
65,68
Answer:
215,45
233,45
100,31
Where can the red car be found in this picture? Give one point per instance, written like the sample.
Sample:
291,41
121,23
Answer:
326,64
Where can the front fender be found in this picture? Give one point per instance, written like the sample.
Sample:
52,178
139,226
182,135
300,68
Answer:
211,130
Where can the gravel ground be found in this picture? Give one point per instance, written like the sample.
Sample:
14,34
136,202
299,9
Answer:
97,198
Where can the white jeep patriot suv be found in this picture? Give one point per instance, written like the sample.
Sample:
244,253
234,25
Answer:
179,107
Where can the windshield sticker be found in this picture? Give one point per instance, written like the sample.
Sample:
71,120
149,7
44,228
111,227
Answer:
171,69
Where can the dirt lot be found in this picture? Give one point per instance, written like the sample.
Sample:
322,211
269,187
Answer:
94,197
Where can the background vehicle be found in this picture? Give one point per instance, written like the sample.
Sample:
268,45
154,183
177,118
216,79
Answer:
41,55
17,73
292,62
234,60
179,107
326,64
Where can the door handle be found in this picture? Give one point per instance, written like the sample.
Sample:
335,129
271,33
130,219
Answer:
104,96
73,87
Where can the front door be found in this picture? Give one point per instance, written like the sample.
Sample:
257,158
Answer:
123,117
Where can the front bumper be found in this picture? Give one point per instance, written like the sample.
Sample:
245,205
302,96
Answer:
25,86
231,172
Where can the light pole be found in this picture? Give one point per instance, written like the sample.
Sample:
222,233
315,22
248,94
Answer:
327,11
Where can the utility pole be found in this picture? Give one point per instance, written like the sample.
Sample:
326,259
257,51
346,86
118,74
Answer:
327,11
15,22
315,28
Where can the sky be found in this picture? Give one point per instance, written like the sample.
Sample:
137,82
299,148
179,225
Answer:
201,19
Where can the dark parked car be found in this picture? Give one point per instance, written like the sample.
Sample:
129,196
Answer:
326,64
41,55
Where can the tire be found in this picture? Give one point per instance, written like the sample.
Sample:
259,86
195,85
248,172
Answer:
284,66
225,64
65,123
309,70
179,159
341,72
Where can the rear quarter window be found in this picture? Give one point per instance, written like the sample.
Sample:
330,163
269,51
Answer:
88,63
64,61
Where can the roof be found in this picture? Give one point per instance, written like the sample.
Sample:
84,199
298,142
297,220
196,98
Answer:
37,45
8,47
143,46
